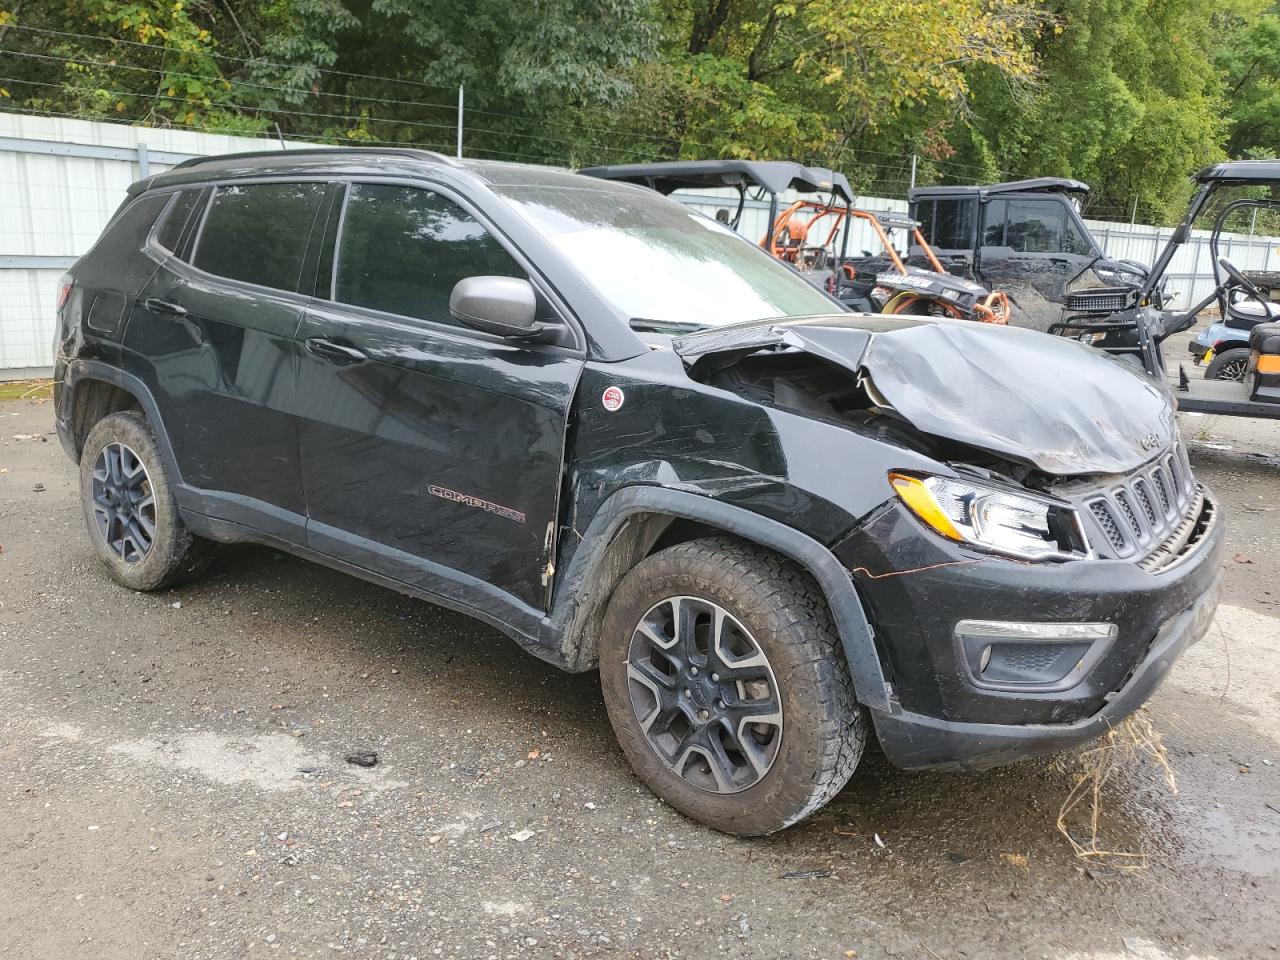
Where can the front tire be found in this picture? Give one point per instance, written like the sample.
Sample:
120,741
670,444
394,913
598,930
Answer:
130,509
727,687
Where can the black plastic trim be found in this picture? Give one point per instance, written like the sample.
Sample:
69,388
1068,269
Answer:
856,634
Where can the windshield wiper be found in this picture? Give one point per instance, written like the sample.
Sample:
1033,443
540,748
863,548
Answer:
664,326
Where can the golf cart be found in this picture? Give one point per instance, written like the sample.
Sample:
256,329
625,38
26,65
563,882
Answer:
805,234
1223,346
1025,238
1132,323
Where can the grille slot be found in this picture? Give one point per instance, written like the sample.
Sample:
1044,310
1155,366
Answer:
1162,490
1145,510
1111,529
1126,511
1144,500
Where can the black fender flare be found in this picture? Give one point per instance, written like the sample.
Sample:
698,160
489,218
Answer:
570,611
79,371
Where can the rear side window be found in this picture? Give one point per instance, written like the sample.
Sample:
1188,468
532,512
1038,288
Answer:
403,249
258,232
948,224
175,220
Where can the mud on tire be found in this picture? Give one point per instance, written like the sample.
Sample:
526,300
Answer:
822,728
130,510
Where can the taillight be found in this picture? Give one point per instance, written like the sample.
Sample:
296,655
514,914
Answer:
64,291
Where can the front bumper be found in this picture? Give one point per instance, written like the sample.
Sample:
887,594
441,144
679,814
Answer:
940,717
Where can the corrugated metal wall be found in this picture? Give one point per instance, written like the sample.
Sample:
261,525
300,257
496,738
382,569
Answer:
60,181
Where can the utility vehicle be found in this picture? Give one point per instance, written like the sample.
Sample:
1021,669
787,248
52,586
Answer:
1025,238
1132,323
632,441
805,234
881,283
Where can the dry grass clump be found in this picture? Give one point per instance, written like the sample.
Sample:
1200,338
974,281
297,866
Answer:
1135,741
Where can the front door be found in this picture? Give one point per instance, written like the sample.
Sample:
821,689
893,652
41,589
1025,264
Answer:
431,454
1032,248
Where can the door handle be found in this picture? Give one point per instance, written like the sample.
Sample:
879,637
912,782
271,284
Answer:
332,352
165,306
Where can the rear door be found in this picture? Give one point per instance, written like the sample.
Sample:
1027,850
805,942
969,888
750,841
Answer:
431,453
216,327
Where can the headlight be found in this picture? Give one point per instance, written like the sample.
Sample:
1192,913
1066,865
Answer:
1014,524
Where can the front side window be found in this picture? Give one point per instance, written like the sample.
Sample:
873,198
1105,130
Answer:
258,232
403,249
1035,226
655,260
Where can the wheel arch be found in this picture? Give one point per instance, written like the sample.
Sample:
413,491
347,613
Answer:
97,390
636,521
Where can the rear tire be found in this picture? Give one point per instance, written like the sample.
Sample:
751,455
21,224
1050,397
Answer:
759,617
1231,364
130,510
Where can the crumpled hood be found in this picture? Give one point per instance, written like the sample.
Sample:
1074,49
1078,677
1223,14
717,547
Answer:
1063,407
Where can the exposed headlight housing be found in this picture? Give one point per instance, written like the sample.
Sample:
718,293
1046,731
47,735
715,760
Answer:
1013,524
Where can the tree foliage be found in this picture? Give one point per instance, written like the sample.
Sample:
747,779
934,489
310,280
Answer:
1128,95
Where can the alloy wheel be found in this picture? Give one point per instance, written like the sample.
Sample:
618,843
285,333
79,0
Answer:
1235,370
124,507
704,694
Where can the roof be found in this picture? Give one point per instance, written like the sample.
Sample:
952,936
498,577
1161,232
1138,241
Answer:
774,175
1034,185
1241,171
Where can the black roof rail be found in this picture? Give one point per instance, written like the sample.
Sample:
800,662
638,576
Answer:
312,151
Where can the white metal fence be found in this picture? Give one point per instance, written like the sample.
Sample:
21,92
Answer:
60,181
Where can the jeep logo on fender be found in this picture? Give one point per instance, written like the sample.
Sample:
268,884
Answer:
468,501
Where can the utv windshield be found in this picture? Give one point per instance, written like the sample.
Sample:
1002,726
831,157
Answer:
659,262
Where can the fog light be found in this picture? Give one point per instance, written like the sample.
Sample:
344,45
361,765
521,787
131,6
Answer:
1033,657
1014,630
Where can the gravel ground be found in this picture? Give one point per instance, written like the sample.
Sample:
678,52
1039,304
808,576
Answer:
173,782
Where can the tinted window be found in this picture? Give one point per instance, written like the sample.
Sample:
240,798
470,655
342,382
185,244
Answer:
132,221
403,249
258,232
951,226
170,232
1034,226
993,223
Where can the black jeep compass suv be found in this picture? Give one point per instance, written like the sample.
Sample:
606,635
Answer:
631,440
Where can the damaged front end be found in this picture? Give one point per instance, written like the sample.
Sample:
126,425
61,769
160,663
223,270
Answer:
1037,581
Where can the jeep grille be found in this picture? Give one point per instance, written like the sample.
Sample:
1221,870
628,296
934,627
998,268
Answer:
1138,516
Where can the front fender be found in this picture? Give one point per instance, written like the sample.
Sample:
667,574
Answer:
595,568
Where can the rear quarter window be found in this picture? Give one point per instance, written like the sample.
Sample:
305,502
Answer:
129,227
258,232
175,219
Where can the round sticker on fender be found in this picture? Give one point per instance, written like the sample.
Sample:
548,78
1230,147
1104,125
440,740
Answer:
612,398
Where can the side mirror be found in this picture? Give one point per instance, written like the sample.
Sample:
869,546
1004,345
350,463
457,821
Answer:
505,306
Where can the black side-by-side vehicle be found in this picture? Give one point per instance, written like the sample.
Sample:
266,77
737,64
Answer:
631,440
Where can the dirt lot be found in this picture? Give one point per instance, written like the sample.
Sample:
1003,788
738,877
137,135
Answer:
173,783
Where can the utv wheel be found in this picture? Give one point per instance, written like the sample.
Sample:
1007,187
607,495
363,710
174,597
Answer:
1231,364
727,687
130,510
